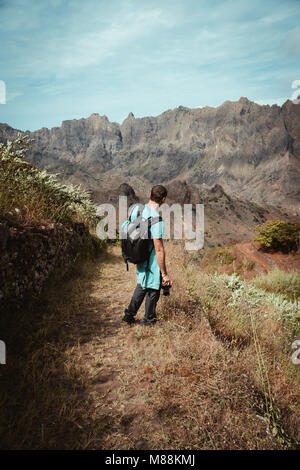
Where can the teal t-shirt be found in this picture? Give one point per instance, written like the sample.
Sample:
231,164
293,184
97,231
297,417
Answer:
149,279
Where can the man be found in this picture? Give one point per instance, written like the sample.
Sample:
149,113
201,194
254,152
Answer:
152,274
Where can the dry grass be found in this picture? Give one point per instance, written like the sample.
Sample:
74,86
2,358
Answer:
208,376
280,282
205,376
262,344
216,257
42,394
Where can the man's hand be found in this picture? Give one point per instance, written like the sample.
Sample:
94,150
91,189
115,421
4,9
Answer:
166,281
160,256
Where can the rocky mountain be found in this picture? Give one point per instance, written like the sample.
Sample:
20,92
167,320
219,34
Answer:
253,151
228,218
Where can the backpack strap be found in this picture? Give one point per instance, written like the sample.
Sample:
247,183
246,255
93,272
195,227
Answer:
151,221
147,269
139,211
154,220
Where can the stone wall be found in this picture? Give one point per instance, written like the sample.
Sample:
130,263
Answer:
29,255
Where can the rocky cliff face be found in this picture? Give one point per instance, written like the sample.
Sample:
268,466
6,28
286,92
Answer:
253,151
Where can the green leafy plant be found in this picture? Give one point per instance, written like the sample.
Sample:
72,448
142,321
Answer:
278,235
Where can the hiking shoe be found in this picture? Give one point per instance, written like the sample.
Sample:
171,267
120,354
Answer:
128,318
147,323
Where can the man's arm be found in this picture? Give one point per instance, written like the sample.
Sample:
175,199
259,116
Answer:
161,260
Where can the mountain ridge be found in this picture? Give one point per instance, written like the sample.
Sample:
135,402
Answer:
251,150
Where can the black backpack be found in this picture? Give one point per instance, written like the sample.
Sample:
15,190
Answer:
136,238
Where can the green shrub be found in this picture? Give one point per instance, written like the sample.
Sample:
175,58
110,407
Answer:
36,195
278,235
224,256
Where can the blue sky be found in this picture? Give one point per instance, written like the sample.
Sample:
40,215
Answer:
64,59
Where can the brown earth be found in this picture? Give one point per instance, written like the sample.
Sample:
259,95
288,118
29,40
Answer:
264,262
249,259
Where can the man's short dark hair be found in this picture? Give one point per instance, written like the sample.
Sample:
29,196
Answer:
158,193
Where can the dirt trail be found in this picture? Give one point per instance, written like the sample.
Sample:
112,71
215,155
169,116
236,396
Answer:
109,358
162,387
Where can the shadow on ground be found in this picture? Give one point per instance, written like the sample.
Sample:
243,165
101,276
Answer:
42,397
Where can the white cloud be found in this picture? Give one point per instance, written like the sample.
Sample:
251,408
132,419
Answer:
93,47
112,56
85,36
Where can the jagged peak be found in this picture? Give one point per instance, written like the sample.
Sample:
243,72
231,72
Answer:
130,117
97,116
244,99
182,108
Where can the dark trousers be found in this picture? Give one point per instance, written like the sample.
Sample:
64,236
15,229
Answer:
152,296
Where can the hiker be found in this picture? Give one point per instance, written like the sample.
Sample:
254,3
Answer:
152,273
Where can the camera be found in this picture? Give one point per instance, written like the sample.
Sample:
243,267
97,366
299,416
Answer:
166,290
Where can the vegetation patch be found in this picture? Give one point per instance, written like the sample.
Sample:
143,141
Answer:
31,195
278,235
247,292
280,282
218,256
